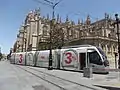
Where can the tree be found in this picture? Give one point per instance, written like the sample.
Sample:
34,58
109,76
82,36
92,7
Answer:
57,35
1,56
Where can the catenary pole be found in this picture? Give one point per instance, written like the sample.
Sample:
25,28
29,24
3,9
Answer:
53,5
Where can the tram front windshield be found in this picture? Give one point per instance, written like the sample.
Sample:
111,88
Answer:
94,57
106,62
103,54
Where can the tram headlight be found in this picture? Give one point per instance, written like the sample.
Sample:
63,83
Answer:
106,63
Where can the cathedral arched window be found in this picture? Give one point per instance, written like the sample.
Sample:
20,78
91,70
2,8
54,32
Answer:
45,30
114,49
109,49
76,34
102,47
70,32
109,35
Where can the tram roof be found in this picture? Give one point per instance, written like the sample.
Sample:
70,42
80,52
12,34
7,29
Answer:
76,46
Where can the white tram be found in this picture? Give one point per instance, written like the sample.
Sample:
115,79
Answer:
70,58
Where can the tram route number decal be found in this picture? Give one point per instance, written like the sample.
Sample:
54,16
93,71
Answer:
21,58
69,59
70,56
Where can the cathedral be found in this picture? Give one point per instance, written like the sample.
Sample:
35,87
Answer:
36,31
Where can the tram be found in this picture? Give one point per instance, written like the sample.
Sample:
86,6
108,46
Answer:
68,58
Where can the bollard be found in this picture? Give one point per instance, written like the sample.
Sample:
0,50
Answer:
87,72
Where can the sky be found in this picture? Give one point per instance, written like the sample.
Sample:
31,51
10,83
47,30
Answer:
13,13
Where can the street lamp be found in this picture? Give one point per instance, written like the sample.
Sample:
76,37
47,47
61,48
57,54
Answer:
53,5
115,53
117,22
52,22
25,40
18,44
0,49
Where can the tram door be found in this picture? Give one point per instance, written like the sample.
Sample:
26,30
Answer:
82,60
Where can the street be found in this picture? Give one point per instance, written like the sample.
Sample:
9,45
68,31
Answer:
16,77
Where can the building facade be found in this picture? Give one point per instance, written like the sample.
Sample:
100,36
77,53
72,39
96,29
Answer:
34,34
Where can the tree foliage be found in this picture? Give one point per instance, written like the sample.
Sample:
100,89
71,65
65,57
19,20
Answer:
1,56
57,35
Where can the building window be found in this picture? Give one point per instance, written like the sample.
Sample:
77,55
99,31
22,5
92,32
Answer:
114,48
76,34
102,47
34,27
109,35
109,50
70,32
45,30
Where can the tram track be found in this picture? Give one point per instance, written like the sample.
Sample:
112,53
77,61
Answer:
40,77
61,83
63,79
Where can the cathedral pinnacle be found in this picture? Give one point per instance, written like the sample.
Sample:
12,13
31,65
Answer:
47,16
58,18
72,22
37,11
88,21
78,21
106,16
67,19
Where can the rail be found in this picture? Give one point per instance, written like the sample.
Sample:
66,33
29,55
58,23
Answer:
65,80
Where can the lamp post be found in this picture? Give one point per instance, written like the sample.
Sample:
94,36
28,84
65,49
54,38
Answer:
117,23
52,24
53,5
18,44
0,54
115,59
25,40
0,49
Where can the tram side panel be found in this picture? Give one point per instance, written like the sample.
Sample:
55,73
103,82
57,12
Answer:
20,58
16,58
30,58
12,59
69,59
43,58
35,58
56,58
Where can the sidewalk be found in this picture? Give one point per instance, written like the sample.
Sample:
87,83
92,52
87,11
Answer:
13,78
72,76
109,80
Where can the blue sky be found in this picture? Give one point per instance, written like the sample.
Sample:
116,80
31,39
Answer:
13,12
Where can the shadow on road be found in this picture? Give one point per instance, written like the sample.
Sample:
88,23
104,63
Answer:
108,87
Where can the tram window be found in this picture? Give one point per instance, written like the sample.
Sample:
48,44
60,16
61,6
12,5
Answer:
82,59
103,54
94,58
